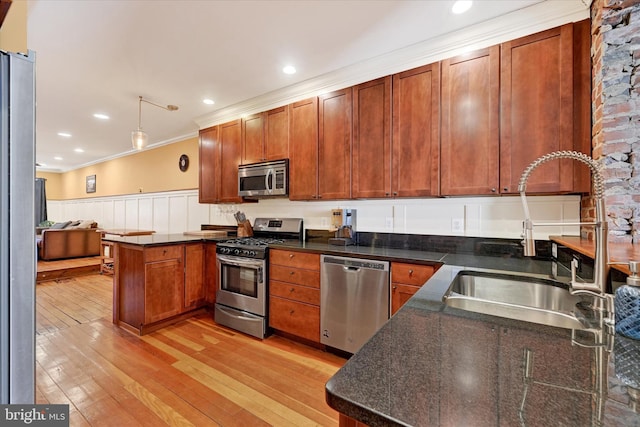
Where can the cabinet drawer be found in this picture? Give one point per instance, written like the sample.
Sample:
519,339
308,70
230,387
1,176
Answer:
295,275
161,253
295,259
296,318
294,292
411,274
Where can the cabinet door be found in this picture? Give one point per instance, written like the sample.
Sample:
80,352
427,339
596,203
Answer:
211,273
231,151
194,288
164,289
470,138
253,138
371,168
400,294
537,109
209,158
334,145
276,134
416,132
303,150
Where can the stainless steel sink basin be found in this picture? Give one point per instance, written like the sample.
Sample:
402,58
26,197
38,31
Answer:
519,297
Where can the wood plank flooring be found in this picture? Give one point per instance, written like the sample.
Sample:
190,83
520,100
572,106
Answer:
64,268
194,373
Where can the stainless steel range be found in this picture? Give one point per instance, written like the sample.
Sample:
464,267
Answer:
242,296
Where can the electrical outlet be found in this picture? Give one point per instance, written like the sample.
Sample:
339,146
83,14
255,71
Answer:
324,222
388,222
457,225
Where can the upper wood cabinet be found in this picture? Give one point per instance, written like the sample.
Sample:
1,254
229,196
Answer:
543,97
371,158
209,158
416,132
276,133
230,153
303,150
253,138
334,145
470,136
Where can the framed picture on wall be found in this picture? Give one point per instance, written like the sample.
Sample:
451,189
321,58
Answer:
91,184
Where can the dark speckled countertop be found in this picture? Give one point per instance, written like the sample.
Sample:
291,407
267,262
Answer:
433,365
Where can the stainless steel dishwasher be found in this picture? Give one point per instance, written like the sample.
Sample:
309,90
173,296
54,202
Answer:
354,300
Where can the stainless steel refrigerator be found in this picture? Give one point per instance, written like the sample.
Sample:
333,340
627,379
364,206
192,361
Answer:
17,232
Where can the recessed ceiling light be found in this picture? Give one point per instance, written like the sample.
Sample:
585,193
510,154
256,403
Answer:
101,116
57,158
79,150
208,101
461,6
65,134
289,69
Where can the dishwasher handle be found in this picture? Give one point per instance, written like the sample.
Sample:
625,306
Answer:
355,264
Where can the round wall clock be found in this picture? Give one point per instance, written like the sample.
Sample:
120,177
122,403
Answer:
184,162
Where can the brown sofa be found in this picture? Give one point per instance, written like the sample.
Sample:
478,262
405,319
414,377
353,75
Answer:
69,243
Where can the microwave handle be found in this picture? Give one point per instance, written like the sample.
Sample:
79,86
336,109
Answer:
266,181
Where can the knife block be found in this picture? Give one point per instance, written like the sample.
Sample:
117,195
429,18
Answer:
245,229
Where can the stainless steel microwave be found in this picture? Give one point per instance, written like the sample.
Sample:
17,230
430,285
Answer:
264,179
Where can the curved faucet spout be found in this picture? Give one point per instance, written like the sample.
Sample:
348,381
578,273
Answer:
601,267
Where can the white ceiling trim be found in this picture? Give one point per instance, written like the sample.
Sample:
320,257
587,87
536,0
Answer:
530,20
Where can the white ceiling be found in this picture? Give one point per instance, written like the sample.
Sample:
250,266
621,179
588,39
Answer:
99,56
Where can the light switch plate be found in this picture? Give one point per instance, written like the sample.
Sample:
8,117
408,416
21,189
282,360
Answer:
388,222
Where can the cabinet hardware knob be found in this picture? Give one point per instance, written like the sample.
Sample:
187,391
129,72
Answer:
410,272
386,194
319,196
291,290
505,189
164,252
395,193
291,256
292,272
493,190
395,287
291,312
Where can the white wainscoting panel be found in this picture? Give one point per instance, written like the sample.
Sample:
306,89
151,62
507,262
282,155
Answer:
179,211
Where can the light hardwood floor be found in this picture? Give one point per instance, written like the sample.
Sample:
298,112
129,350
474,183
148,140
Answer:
192,373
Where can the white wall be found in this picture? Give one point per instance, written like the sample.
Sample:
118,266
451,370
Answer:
178,211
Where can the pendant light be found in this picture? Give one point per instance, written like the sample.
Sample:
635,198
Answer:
139,138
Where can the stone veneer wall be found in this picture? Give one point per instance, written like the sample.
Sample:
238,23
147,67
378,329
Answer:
615,53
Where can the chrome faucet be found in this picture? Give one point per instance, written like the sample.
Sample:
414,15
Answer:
598,287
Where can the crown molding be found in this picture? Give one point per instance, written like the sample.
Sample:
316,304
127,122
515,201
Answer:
537,17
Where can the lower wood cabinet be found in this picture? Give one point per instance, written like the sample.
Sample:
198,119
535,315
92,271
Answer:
294,293
406,280
157,285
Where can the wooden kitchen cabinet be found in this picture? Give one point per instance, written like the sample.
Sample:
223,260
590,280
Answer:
209,172
371,159
265,136
230,157
416,132
545,89
406,280
470,137
158,285
253,138
210,274
276,133
334,144
194,283
294,293
220,152
303,150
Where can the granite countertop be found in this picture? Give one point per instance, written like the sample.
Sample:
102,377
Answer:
435,365
160,239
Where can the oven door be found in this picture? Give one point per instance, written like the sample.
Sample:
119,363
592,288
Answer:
242,284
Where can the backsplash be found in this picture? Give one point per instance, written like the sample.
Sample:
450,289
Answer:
178,211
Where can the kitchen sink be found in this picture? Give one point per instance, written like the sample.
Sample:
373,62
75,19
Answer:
525,298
